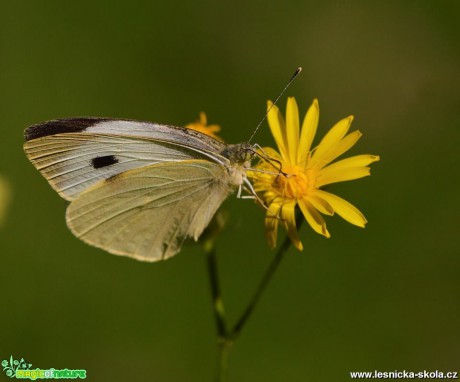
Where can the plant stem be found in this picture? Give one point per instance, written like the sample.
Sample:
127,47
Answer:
217,302
261,288
222,359
226,337
219,312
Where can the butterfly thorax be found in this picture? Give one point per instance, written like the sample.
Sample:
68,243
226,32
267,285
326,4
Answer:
240,156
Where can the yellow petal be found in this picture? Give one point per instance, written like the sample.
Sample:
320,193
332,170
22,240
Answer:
270,159
265,171
203,119
278,128
288,215
330,140
313,218
354,161
201,126
309,126
271,224
321,205
346,169
345,209
342,175
268,152
292,129
259,184
343,146
271,197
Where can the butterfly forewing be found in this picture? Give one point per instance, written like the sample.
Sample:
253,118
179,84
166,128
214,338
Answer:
74,154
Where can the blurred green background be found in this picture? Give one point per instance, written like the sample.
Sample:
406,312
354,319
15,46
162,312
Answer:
385,298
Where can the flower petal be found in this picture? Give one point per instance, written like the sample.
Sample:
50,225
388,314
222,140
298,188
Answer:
288,215
201,126
343,146
346,169
343,208
342,175
203,119
270,159
278,128
309,126
264,172
292,129
269,153
321,205
354,161
313,218
271,224
330,140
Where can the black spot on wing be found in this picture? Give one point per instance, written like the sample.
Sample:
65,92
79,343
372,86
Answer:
104,161
60,126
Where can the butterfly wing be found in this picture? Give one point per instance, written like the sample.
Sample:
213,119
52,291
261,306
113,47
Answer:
76,153
146,213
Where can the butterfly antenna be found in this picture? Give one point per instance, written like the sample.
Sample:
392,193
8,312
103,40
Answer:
297,72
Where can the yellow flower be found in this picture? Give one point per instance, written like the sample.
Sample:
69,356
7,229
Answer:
305,171
201,126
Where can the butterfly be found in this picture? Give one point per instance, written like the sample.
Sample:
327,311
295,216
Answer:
137,189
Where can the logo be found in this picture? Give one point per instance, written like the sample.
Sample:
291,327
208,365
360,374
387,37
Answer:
21,369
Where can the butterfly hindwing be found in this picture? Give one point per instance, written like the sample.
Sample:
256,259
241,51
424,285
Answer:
146,213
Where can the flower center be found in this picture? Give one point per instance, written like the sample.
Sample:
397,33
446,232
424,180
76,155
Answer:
297,182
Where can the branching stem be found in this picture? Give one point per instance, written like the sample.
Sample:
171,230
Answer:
225,337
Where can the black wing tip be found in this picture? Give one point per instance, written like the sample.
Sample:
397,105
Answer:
58,126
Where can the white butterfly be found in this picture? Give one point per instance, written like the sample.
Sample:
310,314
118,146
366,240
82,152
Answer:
137,189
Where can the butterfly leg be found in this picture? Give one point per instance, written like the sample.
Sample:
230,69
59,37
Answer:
248,187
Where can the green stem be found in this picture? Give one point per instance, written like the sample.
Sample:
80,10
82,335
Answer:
222,359
261,288
226,337
219,313
217,302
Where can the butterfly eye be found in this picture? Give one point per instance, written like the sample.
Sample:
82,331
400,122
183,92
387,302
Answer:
245,156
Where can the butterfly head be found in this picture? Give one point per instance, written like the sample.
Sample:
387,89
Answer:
239,154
